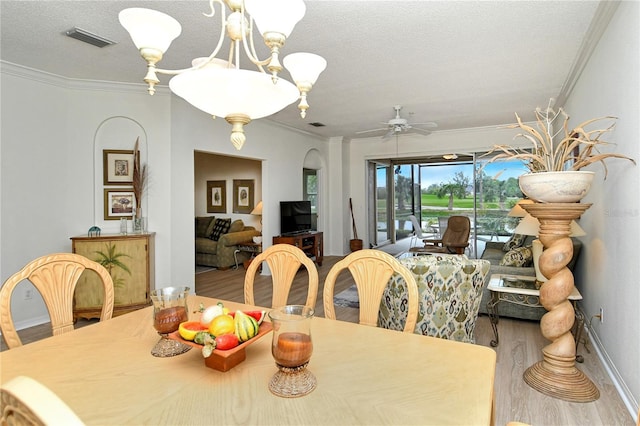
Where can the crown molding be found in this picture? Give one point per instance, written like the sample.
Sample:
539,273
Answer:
597,27
33,74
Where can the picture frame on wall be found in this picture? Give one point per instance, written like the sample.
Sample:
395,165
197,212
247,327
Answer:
117,166
216,196
119,203
243,195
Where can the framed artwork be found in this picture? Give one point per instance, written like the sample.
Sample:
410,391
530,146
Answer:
242,196
216,196
118,203
117,166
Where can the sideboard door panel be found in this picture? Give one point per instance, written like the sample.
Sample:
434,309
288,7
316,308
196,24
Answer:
129,260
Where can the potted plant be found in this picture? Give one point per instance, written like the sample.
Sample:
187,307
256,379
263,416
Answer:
557,156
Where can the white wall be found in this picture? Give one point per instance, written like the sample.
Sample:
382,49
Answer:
50,191
609,270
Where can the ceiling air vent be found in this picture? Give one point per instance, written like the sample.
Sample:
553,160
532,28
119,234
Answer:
87,37
316,124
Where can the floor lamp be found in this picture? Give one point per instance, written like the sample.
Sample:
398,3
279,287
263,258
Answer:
556,375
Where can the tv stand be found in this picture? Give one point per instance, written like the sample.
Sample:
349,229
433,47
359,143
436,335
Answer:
308,242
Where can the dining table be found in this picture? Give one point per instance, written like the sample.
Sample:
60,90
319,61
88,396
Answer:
365,375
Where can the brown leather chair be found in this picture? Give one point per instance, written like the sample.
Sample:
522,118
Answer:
454,240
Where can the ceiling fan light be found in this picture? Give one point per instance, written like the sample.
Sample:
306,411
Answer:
149,28
304,67
279,16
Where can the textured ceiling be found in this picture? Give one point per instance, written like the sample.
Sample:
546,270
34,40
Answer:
458,63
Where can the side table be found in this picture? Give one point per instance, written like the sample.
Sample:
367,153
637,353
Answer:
253,248
521,290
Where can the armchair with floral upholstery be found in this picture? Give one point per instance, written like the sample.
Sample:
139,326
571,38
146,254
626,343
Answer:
450,290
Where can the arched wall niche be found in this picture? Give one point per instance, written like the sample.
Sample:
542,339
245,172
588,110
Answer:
115,133
315,161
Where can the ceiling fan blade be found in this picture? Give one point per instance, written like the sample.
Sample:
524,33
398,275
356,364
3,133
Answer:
421,131
430,124
388,134
372,130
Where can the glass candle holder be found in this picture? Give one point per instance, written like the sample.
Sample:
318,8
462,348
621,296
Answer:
169,310
291,347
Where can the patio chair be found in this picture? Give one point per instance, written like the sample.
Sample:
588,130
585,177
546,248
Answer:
371,270
284,261
55,276
417,231
454,240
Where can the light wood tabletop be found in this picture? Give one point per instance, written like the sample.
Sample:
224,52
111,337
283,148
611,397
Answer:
366,375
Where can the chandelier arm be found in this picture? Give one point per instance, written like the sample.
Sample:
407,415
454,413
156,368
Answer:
254,56
223,18
251,53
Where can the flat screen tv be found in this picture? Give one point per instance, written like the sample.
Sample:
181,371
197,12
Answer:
295,217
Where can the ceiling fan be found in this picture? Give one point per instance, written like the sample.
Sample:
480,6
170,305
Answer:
398,125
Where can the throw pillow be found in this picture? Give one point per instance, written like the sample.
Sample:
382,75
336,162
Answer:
521,256
202,225
515,241
236,226
220,228
210,227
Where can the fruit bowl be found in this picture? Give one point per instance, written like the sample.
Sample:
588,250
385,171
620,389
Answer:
226,360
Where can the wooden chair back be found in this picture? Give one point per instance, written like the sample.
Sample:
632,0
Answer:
371,270
284,261
28,402
55,276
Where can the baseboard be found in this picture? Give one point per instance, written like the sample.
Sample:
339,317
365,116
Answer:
32,322
619,383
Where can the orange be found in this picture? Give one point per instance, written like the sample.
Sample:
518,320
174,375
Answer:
222,324
189,329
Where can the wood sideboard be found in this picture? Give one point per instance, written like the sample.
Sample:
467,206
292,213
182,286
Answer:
310,243
130,262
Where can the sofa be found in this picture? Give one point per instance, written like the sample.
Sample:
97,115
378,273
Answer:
449,293
512,258
217,239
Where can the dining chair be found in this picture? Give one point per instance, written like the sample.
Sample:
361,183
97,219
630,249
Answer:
284,261
455,238
26,401
55,276
371,271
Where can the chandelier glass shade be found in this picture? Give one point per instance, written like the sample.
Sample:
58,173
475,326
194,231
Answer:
221,88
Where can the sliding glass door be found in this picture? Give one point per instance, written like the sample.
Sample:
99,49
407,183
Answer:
380,206
433,189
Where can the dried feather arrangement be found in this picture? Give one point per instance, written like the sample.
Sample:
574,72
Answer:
140,178
578,147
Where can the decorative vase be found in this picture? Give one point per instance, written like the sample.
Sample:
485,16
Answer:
556,187
139,222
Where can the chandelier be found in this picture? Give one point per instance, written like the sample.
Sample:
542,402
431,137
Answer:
220,87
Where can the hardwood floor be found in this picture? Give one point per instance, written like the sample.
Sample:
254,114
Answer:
520,345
